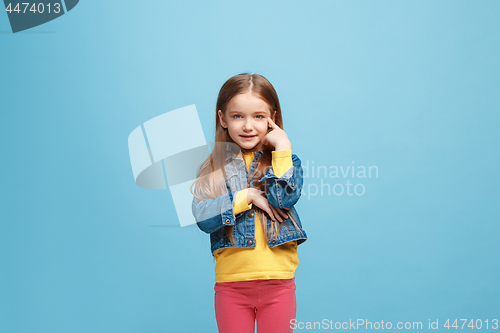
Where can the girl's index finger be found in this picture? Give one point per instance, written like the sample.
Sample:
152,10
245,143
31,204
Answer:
270,121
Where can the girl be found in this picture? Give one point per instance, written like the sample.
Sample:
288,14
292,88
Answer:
244,198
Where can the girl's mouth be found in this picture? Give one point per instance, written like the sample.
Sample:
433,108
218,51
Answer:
248,137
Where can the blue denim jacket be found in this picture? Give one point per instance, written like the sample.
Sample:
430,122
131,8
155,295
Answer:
212,215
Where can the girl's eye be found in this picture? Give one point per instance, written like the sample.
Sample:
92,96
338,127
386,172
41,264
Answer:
237,115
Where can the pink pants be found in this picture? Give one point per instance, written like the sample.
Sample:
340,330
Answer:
271,302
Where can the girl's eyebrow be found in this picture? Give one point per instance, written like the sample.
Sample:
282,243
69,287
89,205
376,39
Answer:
237,111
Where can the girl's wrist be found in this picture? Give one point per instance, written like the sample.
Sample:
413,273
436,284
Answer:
249,196
283,146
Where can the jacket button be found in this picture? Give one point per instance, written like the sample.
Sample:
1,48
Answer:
273,242
249,242
251,214
228,221
292,184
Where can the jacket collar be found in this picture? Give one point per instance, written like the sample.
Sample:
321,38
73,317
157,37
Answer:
231,155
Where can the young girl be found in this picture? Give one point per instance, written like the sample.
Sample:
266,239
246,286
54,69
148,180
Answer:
244,198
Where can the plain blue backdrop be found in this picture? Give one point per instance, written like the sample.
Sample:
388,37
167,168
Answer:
409,87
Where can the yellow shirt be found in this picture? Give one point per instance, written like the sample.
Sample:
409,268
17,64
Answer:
261,262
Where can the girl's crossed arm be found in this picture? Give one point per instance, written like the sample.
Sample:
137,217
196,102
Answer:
213,214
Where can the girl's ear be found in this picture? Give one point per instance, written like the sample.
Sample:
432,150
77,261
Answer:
221,119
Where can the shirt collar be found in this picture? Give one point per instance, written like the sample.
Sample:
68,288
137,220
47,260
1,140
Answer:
256,154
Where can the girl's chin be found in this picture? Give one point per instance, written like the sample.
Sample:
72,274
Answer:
250,146
246,145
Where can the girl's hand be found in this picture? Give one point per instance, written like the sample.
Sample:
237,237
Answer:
258,198
277,137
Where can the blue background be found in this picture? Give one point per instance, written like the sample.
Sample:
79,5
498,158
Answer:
410,87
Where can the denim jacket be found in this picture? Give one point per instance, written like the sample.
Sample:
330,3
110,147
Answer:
212,215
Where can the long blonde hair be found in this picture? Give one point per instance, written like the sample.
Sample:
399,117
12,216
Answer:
211,177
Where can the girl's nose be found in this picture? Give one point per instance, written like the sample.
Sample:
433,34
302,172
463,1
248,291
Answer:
247,125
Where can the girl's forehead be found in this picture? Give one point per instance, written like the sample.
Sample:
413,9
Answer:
247,102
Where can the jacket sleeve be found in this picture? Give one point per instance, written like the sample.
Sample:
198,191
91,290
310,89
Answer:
284,191
213,214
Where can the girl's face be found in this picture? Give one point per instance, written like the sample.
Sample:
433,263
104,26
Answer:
246,120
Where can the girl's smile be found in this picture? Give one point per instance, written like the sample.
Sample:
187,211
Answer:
248,137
